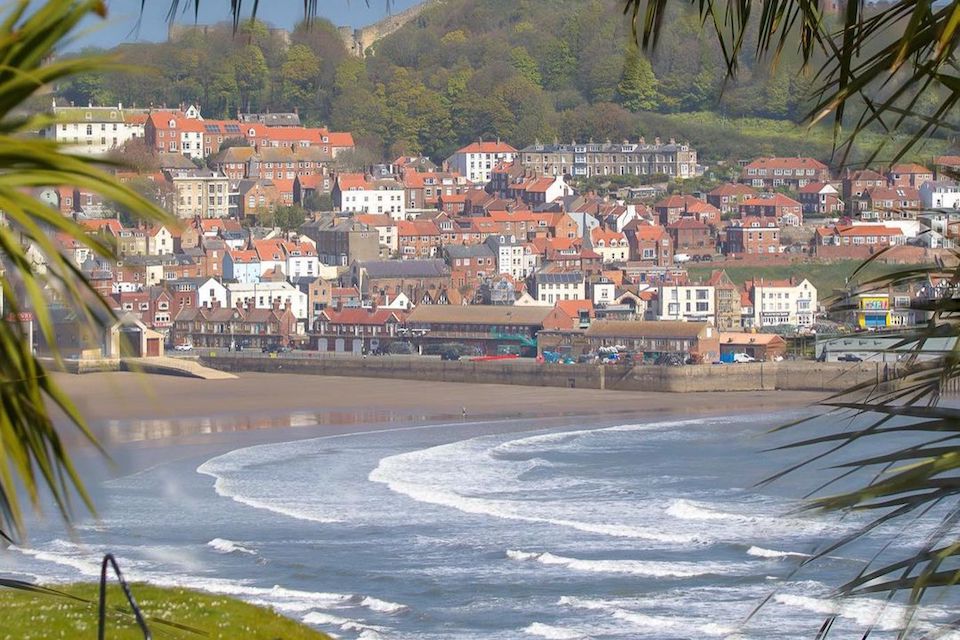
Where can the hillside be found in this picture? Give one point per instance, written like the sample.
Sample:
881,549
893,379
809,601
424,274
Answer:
517,70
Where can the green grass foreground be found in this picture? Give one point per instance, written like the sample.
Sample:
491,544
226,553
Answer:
25,616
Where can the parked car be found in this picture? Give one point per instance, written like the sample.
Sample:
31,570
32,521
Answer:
275,348
849,357
450,355
743,357
183,347
681,257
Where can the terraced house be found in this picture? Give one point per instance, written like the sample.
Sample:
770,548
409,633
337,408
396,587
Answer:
585,160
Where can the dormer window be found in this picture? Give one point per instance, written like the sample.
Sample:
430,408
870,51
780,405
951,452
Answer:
172,124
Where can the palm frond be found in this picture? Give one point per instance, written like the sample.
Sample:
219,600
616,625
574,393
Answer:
881,58
32,455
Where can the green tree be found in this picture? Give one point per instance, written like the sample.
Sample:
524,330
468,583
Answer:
288,217
524,63
637,90
318,201
251,75
298,76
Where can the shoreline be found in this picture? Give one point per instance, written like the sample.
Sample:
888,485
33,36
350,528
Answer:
123,406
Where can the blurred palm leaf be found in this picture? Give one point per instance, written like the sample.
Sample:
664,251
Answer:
877,60
896,50
32,455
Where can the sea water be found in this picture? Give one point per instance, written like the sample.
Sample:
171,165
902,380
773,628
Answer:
583,529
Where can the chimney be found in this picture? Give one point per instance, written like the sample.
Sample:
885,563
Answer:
275,304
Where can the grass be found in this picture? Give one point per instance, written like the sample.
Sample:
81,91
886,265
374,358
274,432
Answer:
826,277
26,616
717,137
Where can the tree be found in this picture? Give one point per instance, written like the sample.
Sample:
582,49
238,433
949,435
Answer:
287,218
298,76
637,90
251,74
318,201
32,453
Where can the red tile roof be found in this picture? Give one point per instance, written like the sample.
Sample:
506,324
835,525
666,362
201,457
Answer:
487,147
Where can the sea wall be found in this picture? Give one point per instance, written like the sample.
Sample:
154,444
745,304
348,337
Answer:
789,376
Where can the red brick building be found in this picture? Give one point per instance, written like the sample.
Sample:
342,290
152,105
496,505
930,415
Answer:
785,210
727,197
793,173
753,236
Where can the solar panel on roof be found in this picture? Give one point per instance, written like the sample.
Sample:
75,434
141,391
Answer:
212,128
233,128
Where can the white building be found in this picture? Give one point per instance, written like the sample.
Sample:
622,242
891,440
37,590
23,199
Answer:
357,193
266,295
942,194
611,246
604,291
777,302
476,160
554,287
94,131
692,303
511,255
159,241
212,291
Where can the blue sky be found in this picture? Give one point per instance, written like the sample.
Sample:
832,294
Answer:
123,14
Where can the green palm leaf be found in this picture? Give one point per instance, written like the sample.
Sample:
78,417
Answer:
32,455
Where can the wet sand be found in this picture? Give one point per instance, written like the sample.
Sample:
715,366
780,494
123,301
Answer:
177,406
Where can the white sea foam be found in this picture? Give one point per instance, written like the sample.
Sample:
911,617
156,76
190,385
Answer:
376,604
321,619
760,552
645,622
391,469
687,510
553,633
643,568
863,611
222,545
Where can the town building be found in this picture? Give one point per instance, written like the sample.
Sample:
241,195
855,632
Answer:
355,330
476,160
358,193
491,329
201,193
908,174
820,199
793,173
648,341
94,131
727,197
727,301
785,210
589,159
649,244
341,242
782,302
752,236
243,327
554,287
687,302
942,194
510,254
268,295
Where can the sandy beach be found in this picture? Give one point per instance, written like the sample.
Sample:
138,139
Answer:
176,406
